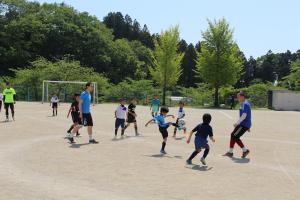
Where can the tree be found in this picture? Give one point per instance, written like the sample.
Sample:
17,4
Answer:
219,62
294,77
167,61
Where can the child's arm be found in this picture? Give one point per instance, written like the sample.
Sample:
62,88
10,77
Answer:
190,137
182,116
69,112
212,138
151,120
171,116
115,113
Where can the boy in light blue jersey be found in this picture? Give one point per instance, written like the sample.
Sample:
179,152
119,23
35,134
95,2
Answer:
241,126
162,126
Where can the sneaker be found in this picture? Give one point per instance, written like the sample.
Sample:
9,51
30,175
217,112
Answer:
77,134
137,134
228,154
93,141
203,161
188,162
163,152
123,136
71,139
174,136
6,120
245,153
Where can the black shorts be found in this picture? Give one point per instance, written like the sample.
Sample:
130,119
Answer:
54,105
87,119
164,132
131,119
238,132
120,122
75,118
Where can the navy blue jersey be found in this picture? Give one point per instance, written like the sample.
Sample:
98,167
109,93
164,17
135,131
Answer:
203,131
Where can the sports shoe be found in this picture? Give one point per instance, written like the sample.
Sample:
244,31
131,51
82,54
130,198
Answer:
228,154
203,161
93,141
245,153
77,134
188,162
163,152
71,139
137,134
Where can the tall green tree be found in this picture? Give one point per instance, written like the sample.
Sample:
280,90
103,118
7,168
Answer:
219,62
294,77
167,61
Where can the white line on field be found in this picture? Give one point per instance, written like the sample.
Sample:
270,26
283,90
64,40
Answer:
225,114
282,168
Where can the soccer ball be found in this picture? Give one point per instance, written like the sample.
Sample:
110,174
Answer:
181,124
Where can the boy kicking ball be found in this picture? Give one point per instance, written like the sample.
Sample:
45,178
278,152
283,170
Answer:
203,131
241,126
163,126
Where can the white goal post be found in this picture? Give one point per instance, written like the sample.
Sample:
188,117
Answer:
45,93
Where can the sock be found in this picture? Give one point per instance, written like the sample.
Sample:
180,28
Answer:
163,145
240,143
90,137
56,112
244,149
53,112
70,129
193,155
116,132
230,150
122,131
232,143
206,151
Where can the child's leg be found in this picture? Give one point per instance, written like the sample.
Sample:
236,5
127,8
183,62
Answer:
117,125
206,151
136,128
6,106
164,143
175,128
70,129
194,154
123,127
12,109
56,111
127,125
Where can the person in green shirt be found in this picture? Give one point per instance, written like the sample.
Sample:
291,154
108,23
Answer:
9,100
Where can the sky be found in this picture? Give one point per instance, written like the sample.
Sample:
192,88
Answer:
259,25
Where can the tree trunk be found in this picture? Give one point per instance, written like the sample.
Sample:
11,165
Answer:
164,96
216,96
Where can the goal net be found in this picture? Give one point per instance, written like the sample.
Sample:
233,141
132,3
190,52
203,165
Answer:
65,90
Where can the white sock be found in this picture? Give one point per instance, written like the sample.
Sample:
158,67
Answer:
90,137
244,149
230,150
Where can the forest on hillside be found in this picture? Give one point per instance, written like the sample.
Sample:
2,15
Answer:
57,42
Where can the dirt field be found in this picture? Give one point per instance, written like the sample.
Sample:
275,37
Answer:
37,163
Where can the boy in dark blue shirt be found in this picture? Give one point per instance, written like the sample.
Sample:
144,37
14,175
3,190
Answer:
241,126
203,131
163,126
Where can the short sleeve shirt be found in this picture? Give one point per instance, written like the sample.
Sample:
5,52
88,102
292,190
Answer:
203,131
160,120
246,108
181,113
121,112
75,107
9,93
54,99
86,102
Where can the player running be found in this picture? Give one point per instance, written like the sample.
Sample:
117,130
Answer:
241,126
154,107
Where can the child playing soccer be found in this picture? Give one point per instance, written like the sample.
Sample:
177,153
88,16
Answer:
120,115
54,102
155,103
131,115
162,125
181,115
74,111
9,99
241,126
203,131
